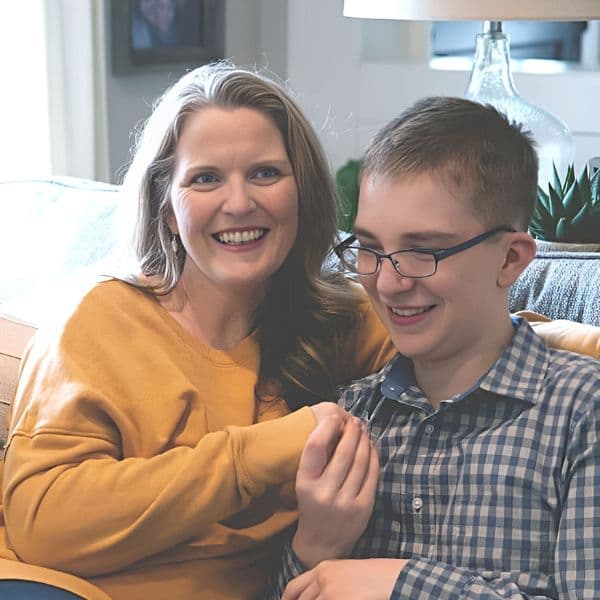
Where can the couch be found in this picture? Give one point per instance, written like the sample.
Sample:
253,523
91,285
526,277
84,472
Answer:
58,233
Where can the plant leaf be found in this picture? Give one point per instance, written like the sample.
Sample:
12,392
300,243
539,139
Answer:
346,179
578,221
543,199
572,201
542,218
595,188
584,186
563,231
569,178
557,182
556,205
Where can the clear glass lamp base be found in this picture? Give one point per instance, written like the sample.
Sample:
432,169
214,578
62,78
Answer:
492,83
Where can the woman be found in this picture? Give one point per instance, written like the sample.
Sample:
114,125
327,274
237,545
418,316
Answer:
145,450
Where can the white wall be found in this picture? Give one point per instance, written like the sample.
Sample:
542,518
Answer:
337,69
349,95
255,34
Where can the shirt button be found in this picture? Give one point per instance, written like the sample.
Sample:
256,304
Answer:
429,429
417,504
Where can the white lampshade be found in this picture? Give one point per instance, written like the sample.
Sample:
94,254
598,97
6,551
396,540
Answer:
478,10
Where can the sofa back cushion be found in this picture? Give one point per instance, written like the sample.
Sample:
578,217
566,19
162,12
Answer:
14,336
560,285
74,230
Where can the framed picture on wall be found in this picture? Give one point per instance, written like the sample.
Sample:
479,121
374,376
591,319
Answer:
151,35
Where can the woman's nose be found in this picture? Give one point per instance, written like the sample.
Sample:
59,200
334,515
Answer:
238,199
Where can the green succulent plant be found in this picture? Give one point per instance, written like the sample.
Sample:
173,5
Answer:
570,211
346,180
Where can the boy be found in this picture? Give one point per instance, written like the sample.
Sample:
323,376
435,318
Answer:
489,442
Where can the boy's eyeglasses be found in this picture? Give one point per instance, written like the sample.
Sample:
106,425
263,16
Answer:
412,262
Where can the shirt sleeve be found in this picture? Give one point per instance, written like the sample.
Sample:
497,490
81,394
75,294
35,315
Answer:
577,556
290,568
425,578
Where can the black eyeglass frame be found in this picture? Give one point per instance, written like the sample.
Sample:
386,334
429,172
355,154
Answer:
437,254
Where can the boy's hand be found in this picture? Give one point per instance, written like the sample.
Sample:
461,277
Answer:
336,485
368,579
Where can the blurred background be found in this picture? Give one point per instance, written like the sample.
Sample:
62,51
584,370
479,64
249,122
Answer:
78,76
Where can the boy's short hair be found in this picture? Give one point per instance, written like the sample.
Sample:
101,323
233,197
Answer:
472,146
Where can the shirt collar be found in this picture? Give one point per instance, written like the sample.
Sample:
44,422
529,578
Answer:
518,373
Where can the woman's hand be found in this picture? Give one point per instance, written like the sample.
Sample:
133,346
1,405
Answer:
368,579
335,485
325,410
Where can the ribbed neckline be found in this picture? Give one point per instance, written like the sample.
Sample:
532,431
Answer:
244,353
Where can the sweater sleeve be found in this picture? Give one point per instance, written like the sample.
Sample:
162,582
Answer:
116,455
71,503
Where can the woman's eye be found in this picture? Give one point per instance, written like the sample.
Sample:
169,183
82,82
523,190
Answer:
266,173
206,178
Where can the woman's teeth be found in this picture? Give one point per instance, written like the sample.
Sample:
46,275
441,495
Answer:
409,312
240,237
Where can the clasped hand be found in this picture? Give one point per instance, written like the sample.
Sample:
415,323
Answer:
335,485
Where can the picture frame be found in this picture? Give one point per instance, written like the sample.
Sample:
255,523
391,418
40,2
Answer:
159,35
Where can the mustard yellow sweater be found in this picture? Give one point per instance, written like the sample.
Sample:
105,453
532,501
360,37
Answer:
141,460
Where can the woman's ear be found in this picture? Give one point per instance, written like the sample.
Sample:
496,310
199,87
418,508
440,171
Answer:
519,253
171,221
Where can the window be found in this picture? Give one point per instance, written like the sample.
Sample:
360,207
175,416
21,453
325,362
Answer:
24,115
528,39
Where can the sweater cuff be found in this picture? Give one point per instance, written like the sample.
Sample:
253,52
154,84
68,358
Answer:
271,450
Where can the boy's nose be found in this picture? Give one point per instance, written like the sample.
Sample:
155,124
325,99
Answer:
389,281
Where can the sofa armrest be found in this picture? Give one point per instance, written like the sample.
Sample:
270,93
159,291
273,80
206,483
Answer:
14,337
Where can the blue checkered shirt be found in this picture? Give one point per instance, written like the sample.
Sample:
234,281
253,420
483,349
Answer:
497,493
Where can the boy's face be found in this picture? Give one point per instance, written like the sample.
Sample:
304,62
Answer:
451,315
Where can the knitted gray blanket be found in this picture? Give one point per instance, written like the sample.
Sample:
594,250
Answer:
560,285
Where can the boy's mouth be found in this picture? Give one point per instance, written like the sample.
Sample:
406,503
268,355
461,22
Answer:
411,312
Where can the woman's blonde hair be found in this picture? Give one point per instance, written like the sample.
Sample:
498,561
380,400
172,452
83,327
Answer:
307,316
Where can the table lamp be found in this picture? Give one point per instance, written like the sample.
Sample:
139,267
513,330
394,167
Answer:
491,79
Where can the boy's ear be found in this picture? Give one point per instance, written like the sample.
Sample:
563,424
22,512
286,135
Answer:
519,253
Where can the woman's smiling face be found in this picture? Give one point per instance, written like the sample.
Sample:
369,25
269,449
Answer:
234,199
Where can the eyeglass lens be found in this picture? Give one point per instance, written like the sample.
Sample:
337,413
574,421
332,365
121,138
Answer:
407,263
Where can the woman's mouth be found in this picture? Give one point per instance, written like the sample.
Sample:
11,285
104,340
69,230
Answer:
240,237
